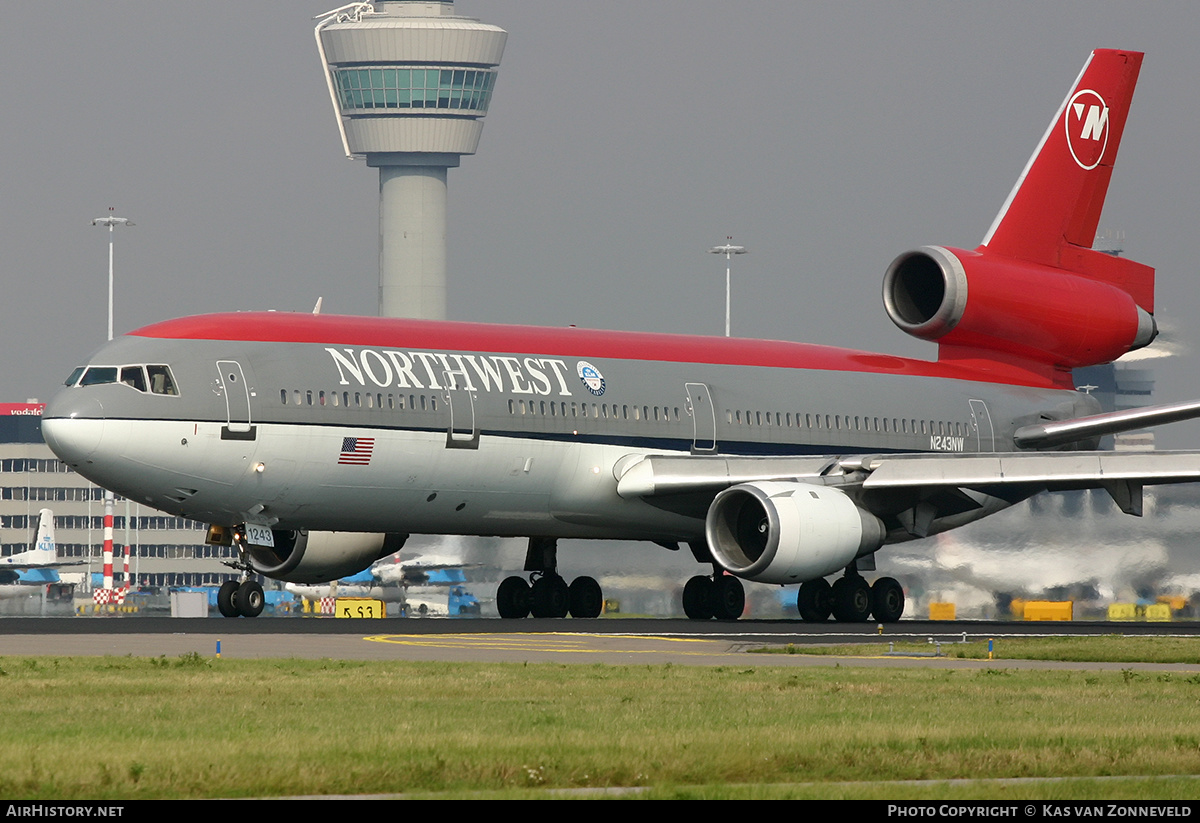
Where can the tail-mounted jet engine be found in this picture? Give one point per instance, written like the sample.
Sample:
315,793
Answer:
781,532
318,557
972,300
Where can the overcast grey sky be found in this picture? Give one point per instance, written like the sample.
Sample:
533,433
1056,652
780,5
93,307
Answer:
624,139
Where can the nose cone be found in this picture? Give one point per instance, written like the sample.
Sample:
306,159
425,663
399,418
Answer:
72,426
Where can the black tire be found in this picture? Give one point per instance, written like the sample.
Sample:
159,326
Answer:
851,600
814,601
729,598
250,599
227,599
549,596
586,598
512,598
887,600
698,598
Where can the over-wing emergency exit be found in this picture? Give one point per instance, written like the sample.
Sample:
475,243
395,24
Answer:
316,444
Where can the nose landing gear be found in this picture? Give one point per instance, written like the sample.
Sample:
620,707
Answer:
243,597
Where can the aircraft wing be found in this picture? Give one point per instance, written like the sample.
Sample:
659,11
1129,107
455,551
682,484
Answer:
1122,474
23,566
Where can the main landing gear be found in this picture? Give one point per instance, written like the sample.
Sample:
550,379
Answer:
851,599
719,596
547,595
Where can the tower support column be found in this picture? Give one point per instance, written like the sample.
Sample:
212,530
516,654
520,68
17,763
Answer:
412,242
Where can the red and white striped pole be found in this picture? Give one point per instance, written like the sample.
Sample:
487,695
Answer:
108,540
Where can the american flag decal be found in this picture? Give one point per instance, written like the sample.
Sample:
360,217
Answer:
356,451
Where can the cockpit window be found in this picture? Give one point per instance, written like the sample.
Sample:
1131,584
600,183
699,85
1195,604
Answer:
134,376
97,375
161,381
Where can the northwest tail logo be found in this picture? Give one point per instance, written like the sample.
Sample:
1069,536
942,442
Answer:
1087,128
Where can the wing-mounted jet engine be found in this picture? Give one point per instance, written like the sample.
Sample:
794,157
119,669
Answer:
302,556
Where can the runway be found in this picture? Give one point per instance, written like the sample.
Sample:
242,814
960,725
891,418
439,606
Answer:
610,641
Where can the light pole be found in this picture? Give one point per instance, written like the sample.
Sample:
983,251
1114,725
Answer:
728,250
112,222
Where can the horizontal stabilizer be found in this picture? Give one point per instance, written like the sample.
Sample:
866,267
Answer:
1057,432
1053,470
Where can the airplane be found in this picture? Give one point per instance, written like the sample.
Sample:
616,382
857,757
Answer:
433,593
26,572
386,579
317,443
363,584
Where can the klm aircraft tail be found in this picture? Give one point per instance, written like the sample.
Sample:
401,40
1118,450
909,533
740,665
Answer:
44,552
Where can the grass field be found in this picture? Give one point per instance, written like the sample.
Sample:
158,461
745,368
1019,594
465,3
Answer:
196,727
1112,649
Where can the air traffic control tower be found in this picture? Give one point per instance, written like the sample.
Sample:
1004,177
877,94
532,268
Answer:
410,83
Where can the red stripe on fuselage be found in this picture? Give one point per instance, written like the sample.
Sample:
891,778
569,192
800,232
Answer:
380,332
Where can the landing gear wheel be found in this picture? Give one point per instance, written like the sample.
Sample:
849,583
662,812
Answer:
815,601
729,598
851,600
585,597
512,598
549,596
250,599
698,597
227,599
887,600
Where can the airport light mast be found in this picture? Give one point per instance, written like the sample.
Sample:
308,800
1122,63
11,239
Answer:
112,222
410,83
728,250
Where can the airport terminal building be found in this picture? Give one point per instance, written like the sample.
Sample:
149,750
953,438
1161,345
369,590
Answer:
164,550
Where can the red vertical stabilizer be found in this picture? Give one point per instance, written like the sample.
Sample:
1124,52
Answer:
1052,213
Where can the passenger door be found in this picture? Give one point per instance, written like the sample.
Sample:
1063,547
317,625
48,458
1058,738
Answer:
236,390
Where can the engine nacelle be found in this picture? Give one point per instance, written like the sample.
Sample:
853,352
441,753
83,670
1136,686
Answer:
780,532
979,301
318,557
